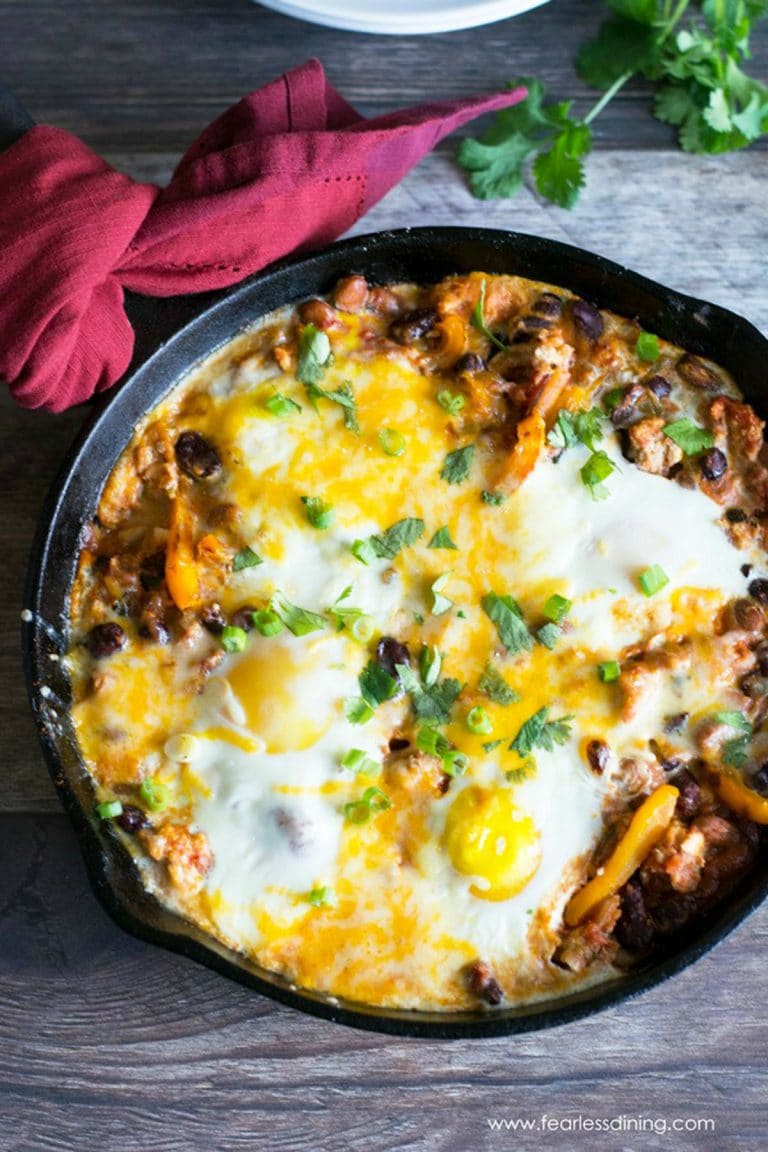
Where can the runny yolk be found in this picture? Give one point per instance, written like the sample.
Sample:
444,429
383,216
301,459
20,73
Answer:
278,692
489,837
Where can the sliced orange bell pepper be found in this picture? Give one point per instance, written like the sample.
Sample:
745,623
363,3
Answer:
646,828
453,337
180,567
531,434
212,550
739,797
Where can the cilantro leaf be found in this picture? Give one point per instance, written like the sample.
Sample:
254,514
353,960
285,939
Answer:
493,498
584,426
539,731
343,396
621,45
432,704
401,535
314,355
549,634
493,685
689,436
299,621
357,710
505,613
245,558
442,539
457,464
376,684
559,170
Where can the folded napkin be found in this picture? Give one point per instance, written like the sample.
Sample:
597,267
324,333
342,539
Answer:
289,168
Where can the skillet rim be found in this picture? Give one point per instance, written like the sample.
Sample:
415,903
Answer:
118,887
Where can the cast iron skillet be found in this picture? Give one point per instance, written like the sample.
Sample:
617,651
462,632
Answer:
423,254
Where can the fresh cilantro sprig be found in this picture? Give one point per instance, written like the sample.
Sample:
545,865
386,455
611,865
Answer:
539,731
431,703
701,89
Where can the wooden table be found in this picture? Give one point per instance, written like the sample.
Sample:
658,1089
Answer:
106,1041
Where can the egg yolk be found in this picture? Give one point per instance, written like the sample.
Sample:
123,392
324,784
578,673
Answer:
278,692
489,837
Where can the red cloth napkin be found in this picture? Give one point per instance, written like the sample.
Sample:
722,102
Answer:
290,167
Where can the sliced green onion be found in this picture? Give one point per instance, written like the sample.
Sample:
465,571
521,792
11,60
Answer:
322,898
549,634
233,639
281,406
154,794
652,580
429,740
453,402
430,662
267,622
357,711
364,551
319,513
647,347
440,603
557,608
478,721
608,671
372,802
392,441
363,628
455,762
108,809
356,760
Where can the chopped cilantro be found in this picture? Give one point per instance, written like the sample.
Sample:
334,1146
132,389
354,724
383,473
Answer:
493,685
432,702
364,551
401,535
343,396
315,355
442,539
245,558
299,621
492,498
505,613
549,634
457,464
281,406
539,731
647,347
598,468
357,710
376,685
689,436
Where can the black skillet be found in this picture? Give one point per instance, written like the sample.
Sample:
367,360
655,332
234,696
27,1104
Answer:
166,351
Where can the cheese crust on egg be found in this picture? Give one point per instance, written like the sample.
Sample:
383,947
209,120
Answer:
418,646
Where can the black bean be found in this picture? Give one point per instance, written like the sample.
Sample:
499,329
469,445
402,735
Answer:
714,464
397,744
748,615
470,362
676,723
152,571
105,640
626,409
243,618
414,325
522,337
598,755
536,323
391,652
754,685
761,652
635,929
759,780
689,800
588,320
131,819
736,516
696,373
212,618
660,386
548,304
153,628
196,456
758,589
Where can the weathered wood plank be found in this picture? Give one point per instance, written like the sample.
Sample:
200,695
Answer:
103,1037
148,74
711,246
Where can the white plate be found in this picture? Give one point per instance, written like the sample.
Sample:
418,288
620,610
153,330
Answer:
402,17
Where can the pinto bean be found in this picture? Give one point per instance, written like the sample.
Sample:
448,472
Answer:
548,304
413,326
758,590
754,685
626,409
351,293
696,373
598,755
106,639
383,301
196,456
689,800
319,313
243,618
714,464
482,983
588,320
677,722
659,386
153,624
746,615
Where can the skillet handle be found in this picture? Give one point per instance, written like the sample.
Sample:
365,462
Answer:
153,320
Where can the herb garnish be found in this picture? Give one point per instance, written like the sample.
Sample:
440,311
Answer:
478,320
492,498
647,347
401,535
504,612
493,685
319,513
315,355
736,751
700,85
689,436
457,464
245,558
370,804
440,602
598,468
541,732
652,580
299,621
357,710
442,539
343,396
431,702
280,405
432,742
376,685
453,402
